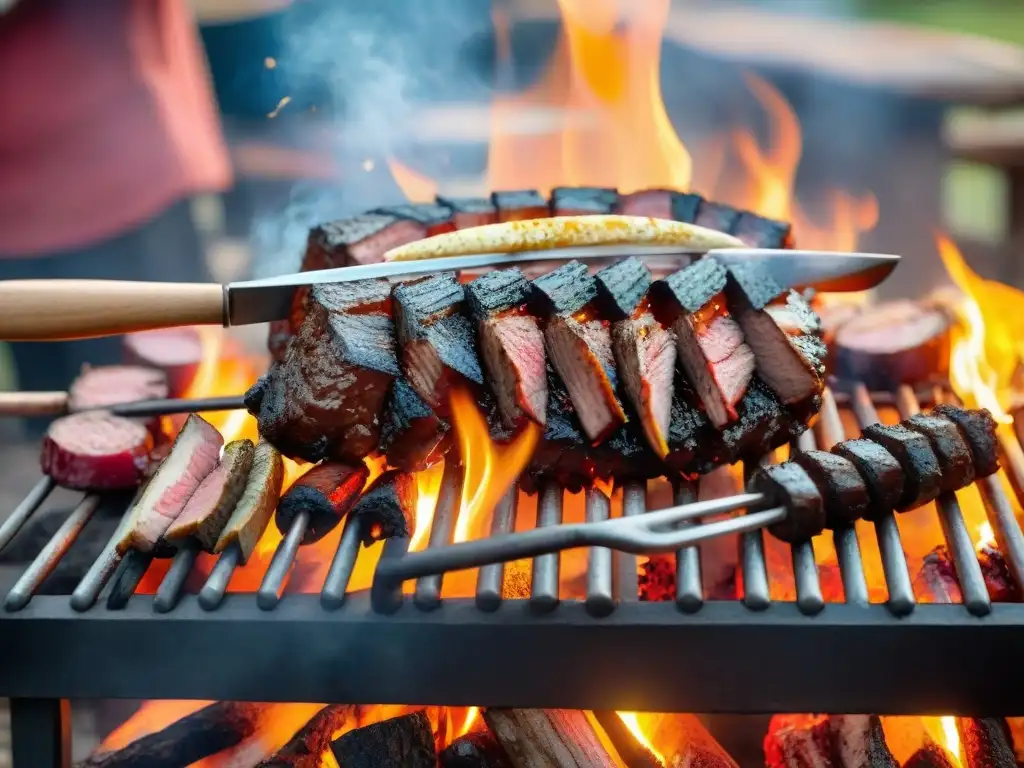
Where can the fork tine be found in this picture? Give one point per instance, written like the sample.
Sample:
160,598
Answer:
672,515
646,542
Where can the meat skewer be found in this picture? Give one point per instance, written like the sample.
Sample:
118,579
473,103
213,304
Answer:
387,509
318,500
435,218
470,211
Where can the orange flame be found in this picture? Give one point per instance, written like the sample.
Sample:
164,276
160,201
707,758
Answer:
632,723
414,185
428,487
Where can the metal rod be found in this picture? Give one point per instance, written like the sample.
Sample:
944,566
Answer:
829,429
625,579
1004,525
386,595
490,579
274,580
169,592
168,407
599,600
25,510
41,733
88,590
55,549
212,593
1012,455
756,595
427,595
332,596
129,574
544,588
805,570
689,584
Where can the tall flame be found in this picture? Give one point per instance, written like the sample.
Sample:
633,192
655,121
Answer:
632,723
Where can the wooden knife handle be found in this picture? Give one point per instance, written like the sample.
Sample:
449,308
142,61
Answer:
58,310
33,403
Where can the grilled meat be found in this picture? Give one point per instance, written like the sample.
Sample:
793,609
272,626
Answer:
208,509
842,488
511,345
388,508
562,453
519,205
922,474
259,499
413,437
582,201
361,239
790,486
950,448
625,456
648,202
435,218
716,216
326,493
979,430
689,428
710,343
470,211
326,400
882,474
686,207
96,451
579,346
760,232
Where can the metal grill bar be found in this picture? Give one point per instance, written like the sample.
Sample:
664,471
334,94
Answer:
212,593
599,600
626,584
274,580
754,567
689,584
805,570
25,510
169,592
491,577
96,578
544,588
427,596
332,596
127,579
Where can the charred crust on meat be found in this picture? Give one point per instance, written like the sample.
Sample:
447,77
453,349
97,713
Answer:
428,214
758,287
423,302
693,287
412,436
520,203
253,398
326,493
686,206
882,474
498,291
922,474
468,204
688,427
387,509
761,232
564,291
716,216
979,430
329,243
622,287
842,488
762,425
790,486
950,448
567,201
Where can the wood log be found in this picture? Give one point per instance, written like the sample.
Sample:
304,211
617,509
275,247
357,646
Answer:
633,753
401,742
476,749
200,734
930,756
985,743
548,738
306,748
839,741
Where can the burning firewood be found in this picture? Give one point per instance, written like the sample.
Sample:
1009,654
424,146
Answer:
402,742
930,756
476,749
554,738
839,741
306,748
203,733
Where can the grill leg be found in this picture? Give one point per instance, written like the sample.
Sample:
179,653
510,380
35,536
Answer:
41,733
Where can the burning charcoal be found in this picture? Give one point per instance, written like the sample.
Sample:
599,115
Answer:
530,736
790,486
580,347
936,581
195,454
903,342
648,202
657,581
209,508
437,219
645,352
583,201
1001,586
359,239
476,749
785,339
96,451
520,205
797,741
306,748
711,348
841,486
470,211
686,207
326,493
114,384
413,437
438,343
930,756
985,742
950,449
402,742
760,232
979,430
259,499
326,400
717,216
858,741
922,475
511,345
388,508
882,474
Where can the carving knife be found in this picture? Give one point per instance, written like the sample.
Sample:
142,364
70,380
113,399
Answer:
54,310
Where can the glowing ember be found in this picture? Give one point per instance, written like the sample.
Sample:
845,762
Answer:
986,536
632,722
472,715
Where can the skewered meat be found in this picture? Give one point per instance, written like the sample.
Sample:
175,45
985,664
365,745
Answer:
259,499
96,451
437,340
716,216
688,427
760,232
326,493
711,347
903,342
922,474
790,486
209,508
519,205
194,455
562,452
511,345
361,239
843,489
388,508
437,219
686,206
470,211
579,346
950,449
882,474
326,399
979,430
645,352
647,202
582,201
413,437
114,384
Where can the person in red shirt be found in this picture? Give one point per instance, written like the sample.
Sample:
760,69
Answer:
108,127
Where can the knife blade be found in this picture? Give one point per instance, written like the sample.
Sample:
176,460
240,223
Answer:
258,301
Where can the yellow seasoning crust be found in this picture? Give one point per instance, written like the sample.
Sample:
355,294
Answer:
563,232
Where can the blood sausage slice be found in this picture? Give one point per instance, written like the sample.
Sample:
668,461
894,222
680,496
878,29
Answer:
922,481
979,430
842,488
790,486
882,474
950,448
96,451
326,493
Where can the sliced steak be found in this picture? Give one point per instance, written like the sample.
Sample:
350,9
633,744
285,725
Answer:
902,342
326,493
562,452
717,216
950,448
790,486
436,219
96,451
362,239
579,346
842,488
882,474
645,351
388,508
470,211
259,500
656,203
412,436
326,400
583,201
625,456
511,345
760,232
979,430
437,342
922,476
785,338
520,205
710,343
689,429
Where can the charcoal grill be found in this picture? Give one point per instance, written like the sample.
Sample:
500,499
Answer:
608,651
